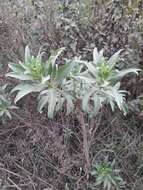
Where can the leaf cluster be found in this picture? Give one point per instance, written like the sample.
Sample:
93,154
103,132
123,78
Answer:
93,83
5,104
107,176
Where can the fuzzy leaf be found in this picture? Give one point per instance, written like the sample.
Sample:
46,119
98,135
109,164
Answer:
84,79
43,100
114,58
24,89
69,100
121,74
97,105
27,54
55,55
20,76
86,100
64,71
52,102
95,56
16,67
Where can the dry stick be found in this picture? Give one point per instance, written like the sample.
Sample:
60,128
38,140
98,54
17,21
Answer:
85,137
13,173
21,119
29,173
96,127
14,184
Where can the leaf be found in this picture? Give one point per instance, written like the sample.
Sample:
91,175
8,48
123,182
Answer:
112,105
112,179
95,56
27,54
20,76
114,58
91,68
25,89
8,114
109,186
99,180
64,71
59,104
45,79
39,56
69,100
2,113
87,80
100,59
121,74
25,65
3,88
86,99
16,67
106,183
97,104
13,107
43,100
55,55
93,172
115,95
48,97
52,102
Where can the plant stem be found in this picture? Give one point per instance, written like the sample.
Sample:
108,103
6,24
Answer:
85,138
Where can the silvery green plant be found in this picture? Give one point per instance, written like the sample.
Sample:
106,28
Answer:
107,176
92,83
45,78
5,104
100,82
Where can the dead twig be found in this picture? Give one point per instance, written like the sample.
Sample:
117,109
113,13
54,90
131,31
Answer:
14,184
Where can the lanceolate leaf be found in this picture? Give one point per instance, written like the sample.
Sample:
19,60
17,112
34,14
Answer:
69,100
52,102
114,58
121,74
91,68
64,71
27,54
24,89
95,56
16,67
8,114
43,100
19,76
97,104
55,55
86,99
85,79
100,58
39,56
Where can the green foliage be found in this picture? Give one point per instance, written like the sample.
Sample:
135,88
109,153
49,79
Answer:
93,83
101,83
5,104
32,69
107,177
48,79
